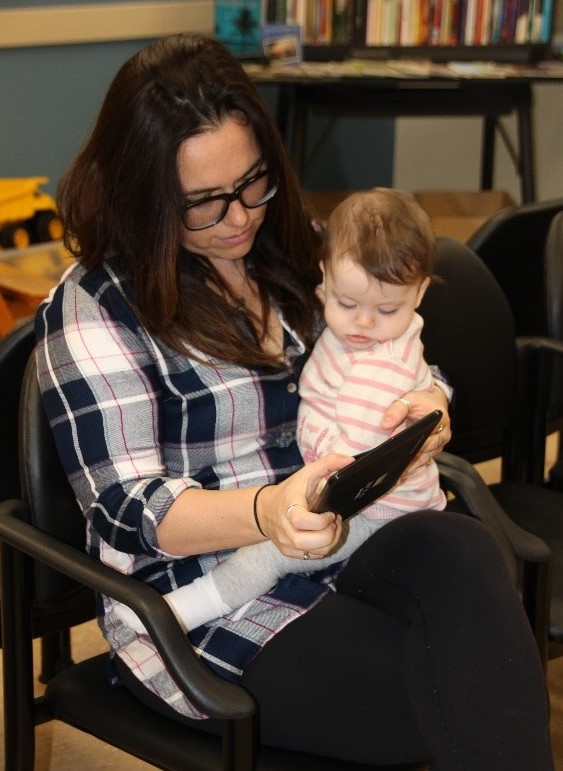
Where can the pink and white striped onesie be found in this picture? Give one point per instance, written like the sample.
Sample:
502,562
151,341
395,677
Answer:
344,394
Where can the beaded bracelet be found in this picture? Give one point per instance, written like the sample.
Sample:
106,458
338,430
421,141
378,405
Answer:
255,508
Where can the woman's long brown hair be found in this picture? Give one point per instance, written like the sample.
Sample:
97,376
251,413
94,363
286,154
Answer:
121,199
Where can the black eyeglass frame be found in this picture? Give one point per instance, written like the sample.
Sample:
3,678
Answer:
228,198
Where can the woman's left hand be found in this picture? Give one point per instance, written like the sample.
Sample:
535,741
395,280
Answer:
414,405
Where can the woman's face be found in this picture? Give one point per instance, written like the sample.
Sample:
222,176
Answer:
218,161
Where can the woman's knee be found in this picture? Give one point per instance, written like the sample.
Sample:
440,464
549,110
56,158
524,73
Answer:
426,548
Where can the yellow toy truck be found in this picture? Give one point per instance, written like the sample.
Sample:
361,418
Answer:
27,214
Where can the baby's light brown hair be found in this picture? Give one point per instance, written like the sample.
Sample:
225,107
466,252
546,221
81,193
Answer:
386,232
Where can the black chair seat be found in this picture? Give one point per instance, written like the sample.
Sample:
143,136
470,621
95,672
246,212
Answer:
76,696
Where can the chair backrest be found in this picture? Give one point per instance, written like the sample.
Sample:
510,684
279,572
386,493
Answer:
469,333
53,507
512,243
15,349
553,256
553,267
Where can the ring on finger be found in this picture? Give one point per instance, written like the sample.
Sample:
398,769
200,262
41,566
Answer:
440,428
292,506
404,401
306,555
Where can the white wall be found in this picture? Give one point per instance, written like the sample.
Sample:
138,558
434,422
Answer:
444,153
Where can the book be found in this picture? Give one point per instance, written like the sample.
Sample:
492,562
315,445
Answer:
546,21
343,22
360,22
282,43
238,26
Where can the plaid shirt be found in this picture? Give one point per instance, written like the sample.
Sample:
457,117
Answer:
136,424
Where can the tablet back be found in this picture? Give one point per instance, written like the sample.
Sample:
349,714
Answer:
375,471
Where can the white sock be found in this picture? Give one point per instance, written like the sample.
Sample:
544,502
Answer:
197,603
193,605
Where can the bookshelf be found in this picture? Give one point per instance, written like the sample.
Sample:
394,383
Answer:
436,30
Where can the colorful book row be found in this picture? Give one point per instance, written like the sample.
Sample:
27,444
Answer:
387,22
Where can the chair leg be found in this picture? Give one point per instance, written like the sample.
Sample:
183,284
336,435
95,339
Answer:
17,662
239,742
536,597
55,654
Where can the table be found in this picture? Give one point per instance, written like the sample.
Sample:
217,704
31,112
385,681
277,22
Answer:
26,278
399,88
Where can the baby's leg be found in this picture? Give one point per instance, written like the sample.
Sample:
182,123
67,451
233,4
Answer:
247,574
253,570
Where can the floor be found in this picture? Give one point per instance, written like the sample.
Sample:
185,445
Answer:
61,748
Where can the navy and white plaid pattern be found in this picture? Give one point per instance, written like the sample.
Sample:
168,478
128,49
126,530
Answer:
136,424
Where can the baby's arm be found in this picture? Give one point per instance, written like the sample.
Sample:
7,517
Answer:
248,573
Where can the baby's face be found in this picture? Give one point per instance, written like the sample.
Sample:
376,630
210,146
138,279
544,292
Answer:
362,311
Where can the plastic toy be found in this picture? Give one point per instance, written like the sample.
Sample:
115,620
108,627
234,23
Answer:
27,214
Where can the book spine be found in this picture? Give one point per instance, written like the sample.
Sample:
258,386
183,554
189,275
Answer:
546,21
343,22
360,23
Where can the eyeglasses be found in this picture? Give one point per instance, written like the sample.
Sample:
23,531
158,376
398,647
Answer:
253,193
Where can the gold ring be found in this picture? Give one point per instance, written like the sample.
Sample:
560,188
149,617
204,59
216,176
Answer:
404,401
306,555
440,429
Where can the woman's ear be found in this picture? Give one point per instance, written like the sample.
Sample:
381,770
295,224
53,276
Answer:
320,289
421,290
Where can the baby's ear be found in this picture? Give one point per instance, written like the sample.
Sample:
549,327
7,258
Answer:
421,290
320,289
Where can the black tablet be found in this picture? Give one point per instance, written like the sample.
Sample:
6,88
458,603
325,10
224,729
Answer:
375,471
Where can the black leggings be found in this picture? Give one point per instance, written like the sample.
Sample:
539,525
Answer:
423,652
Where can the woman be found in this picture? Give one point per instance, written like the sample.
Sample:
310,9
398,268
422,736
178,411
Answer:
169,360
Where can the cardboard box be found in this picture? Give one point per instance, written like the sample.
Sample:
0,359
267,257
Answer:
28,275
454,213
458,213
322,202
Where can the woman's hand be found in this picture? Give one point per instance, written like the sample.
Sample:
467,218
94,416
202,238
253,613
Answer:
414,405
285,518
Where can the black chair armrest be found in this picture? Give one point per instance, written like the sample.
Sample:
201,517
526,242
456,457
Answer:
459,477
539,343
536,355
211,694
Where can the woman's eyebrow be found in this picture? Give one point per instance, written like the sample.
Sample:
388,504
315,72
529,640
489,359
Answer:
247,173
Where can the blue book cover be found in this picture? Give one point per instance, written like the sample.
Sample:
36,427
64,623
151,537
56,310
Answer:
237,25
546,21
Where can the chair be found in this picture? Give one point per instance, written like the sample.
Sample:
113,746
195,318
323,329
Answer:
553,272
47,527
511,244
521,249
501,389
48,619
553,266
15,348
